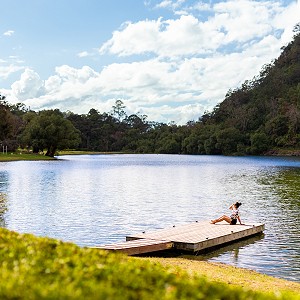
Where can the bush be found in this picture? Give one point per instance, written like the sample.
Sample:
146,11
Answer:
42,268
259,143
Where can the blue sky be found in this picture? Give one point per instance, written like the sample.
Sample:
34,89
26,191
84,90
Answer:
169,59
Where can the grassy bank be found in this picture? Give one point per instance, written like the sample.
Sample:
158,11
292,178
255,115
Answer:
79,152
22,156
273,152
233,276
41,268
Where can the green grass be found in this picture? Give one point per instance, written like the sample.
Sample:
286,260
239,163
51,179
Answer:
234,276
79,152
42,268
22,156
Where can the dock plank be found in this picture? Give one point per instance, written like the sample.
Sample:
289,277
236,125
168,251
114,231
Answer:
201,235
138,246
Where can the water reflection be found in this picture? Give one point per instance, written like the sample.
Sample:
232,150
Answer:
232,251
3,208
100,199
278,207
3,197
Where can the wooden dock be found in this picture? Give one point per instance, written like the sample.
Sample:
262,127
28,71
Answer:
193,237
138,246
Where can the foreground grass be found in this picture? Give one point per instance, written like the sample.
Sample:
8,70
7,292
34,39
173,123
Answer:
41,268
17,157
238,277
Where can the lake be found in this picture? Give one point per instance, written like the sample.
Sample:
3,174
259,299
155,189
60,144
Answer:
99,199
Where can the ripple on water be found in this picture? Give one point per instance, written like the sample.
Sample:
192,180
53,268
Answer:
92,200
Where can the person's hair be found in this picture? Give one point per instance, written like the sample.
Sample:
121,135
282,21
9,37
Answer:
237,204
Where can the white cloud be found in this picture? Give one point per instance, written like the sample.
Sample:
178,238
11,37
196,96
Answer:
286,20
83,54
28,86
164,4
8,33
139,38
10,66
190,64
180,115
233,22
7,69
174,5
191,85
200,6
69,74
178,37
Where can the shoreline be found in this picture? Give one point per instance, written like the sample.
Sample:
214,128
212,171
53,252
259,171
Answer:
283,152
40,157
24,157
223,273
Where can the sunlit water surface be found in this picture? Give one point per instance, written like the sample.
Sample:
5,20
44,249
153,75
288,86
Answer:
99,199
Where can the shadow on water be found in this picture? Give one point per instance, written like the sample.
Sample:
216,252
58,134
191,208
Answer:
233,248
211,252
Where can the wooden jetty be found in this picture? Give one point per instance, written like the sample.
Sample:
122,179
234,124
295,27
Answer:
138,246
193,237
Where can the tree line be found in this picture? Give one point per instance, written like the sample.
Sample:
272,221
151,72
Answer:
262,114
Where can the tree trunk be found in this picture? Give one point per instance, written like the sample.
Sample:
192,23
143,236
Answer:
51,151
35,149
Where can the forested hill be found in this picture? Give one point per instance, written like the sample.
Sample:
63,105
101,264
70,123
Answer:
264,113
262,116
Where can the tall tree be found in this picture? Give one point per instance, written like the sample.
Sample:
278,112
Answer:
50,130
118,110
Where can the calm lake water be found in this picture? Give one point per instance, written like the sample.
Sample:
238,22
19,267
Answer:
99,199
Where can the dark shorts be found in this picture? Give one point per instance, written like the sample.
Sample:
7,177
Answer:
233,222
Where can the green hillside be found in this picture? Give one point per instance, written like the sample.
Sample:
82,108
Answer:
263,114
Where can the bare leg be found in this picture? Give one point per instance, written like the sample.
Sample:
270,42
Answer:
223,218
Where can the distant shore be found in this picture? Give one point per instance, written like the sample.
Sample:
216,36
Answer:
273,152
19,157
283,152
36,157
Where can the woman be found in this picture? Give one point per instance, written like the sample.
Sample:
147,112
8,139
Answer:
232,219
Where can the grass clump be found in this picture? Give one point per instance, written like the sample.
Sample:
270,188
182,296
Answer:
22,156
42,268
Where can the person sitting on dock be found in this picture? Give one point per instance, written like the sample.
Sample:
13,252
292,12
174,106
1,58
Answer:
232,219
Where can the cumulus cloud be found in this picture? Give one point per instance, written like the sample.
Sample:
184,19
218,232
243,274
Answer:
29,85
185,64
192,86
178,37
235,22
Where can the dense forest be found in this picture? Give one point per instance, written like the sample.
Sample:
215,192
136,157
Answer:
256,118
